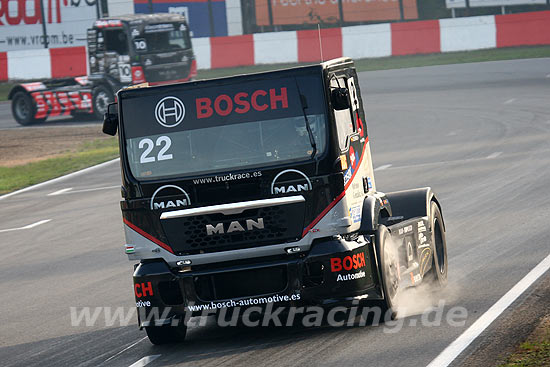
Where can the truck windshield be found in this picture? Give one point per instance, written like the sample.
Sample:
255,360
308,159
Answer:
162,37
190,132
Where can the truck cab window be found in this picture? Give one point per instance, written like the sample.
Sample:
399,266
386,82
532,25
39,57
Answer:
344,122
116,41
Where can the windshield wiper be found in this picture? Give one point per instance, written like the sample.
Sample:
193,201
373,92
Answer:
303,102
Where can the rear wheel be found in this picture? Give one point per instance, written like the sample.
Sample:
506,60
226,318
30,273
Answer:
101,97
437,275
23,109
389,270
166,334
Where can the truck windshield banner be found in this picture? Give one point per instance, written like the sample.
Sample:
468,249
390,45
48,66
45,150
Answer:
180,109
178,131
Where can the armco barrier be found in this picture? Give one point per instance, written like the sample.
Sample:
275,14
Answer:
378,40
523,29
415,38
70,61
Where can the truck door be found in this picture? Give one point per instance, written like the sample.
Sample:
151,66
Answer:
113,43
353,148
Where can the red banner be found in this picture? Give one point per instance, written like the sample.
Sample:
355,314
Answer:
327,11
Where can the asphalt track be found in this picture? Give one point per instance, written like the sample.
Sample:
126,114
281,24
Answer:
478,134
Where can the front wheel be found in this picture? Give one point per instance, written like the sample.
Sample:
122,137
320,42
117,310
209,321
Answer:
101,97
389,269
166,334
437,275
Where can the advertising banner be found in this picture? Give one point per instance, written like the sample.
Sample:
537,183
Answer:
205,19
484,3
66,23
327,11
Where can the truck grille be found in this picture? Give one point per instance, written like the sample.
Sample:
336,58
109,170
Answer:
243,283
188,235
166,72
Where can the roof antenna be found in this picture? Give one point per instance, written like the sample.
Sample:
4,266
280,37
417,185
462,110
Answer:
320,41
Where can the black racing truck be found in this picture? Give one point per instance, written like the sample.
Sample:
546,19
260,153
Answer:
259,189
122,51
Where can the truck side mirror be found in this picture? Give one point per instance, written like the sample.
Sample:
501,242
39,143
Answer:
110,120
340,99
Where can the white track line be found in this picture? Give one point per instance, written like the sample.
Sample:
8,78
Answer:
493,155
59,179
511,100
59,192
26,227
125,349
145,360
71,191
466,338
381,168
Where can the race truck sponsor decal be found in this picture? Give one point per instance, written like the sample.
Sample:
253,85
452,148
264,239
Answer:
295,181
170,111
228,177
157,204
355,213
349,263
49,104
235,226
182,108
140,304
143,289
245,302
242,102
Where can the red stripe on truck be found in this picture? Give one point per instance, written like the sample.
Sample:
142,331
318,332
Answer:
68,61
147,235
308,44
523,29
415,37
3,66
340,196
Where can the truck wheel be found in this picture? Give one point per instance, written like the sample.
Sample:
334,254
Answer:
23,109
166,334
437,275
101,97
389,269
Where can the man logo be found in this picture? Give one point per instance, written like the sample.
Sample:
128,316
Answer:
170,111
235,226
304,185
170,203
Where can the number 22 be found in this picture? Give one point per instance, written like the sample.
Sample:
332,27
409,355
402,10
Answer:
148,144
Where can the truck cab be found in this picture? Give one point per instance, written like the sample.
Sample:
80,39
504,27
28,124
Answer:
260,188
122,51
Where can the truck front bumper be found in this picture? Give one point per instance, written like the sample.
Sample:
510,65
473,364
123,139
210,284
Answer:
334,271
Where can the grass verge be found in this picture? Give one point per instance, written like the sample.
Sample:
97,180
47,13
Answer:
4,90
535,351
88,154
530,354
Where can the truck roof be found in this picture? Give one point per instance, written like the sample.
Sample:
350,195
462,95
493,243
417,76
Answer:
236,79
142,18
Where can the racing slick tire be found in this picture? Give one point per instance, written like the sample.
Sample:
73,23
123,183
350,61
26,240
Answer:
437,275
23,109
101,97
166,334
389,270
